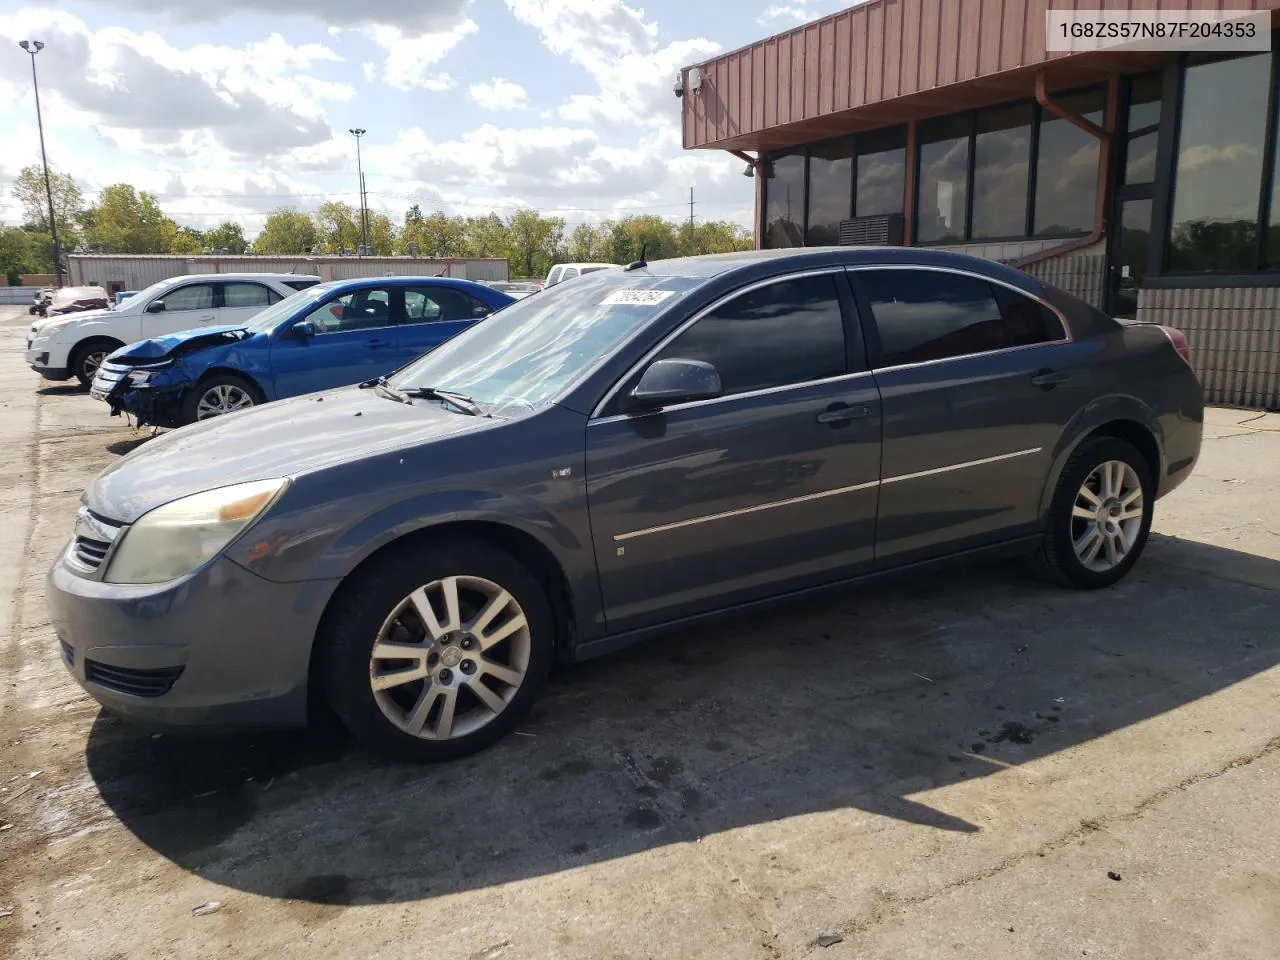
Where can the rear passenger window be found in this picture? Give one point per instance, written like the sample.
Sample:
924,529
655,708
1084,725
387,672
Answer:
1027,321
788,332
245,295
931,315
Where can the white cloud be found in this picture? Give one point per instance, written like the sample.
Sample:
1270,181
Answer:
416,16
791,13
411,57
499,94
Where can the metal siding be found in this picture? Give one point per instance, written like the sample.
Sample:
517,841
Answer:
930,42
989,38
733,108
842,78
1013,37
875,52
826,66
797,76
949,44
909,72
813,78
892,49
858,46
757,88
771,84
971,31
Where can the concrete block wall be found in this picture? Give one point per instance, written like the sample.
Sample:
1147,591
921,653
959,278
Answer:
1081,273
1234,336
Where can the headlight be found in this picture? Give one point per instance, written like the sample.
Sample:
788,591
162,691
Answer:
139,376
174,539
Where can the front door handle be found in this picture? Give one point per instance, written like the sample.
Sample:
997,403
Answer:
375,344
208,319
842,413
1048,379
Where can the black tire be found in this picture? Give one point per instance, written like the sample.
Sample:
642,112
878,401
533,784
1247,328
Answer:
191,402
352,625
1056,559
86,356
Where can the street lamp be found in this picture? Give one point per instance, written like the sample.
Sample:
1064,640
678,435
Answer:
359,132
33,47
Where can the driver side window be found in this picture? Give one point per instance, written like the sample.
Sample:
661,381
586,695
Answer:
359,310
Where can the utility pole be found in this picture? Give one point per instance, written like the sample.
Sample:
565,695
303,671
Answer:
33,47
359,132
691,234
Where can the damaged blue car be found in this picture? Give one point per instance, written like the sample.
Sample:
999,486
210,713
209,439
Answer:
329,335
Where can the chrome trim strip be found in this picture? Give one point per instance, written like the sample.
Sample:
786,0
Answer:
715,304
745,510
679,524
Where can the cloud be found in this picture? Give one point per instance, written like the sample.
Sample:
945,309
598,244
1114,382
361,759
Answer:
415,17
410,56
499,94
791,13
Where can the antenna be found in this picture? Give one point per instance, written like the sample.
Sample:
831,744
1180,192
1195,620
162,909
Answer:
637,264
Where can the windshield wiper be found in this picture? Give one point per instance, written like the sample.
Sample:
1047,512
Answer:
379,385
456,400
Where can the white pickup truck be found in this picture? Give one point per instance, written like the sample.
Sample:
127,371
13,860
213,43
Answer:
73,345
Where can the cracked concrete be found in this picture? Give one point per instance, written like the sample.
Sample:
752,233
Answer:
949,767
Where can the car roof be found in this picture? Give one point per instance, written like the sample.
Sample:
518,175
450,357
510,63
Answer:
408,281
251,275
562,265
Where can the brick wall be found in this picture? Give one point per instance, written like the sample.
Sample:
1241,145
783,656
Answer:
1234,335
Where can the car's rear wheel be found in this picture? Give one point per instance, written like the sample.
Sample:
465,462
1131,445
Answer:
218,395
87,357
437,651
1100,517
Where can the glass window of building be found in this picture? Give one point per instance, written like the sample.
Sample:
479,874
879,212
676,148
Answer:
784,201
944,173
1001,166
830,190
1067,168
1142,128
1219,165
881,173
1273,227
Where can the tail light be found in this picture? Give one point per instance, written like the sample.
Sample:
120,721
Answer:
1179,343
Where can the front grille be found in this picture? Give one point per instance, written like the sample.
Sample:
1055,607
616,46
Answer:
68,654
108,375
91,553
138,683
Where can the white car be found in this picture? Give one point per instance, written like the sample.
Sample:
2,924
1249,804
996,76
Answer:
565,271
73,345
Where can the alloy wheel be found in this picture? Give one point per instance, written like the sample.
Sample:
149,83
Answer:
223,398
450,658
1107,515
91,362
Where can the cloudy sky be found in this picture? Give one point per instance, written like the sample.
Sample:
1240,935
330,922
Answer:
229,108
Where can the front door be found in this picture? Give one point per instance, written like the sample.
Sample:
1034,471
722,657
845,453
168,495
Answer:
354,339
187,307
768,488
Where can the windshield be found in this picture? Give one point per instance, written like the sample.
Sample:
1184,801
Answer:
282,310
147,293
532,349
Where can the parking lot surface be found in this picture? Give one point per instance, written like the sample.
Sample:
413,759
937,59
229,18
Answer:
969,765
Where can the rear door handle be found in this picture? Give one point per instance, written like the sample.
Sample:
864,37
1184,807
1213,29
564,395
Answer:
843,413
1050,378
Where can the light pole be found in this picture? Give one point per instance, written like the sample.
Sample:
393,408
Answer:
33,47
359,132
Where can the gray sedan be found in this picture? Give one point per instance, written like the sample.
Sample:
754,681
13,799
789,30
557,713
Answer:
617,456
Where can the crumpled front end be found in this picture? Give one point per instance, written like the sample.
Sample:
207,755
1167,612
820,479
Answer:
153,395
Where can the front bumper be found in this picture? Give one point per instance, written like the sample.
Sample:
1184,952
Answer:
158,404
37,357
222,648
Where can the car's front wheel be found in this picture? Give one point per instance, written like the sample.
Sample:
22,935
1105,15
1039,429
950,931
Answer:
1100,516
87,357
437,651
219,394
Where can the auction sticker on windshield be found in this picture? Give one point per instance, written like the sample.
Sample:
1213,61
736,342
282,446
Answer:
639,298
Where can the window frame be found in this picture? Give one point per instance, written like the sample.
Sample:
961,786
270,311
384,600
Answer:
855,349
871,332
395,306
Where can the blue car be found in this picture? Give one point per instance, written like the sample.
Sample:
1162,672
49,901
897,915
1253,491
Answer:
329,335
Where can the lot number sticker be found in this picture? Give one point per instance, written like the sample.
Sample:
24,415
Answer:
636,298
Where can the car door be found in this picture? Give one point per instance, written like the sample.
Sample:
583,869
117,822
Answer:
241,299
433,314
768,488
185,307
353,338
977,382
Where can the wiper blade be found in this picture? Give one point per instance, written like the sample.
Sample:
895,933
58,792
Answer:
380,387
456,400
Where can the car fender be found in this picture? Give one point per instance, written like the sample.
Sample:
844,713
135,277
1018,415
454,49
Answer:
1094,414
123,329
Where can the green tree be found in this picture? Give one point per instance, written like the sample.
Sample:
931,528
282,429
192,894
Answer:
485,237
413,215
588,244
18,254
68,202
657,238
228,236
126,221
338,226
382,235
183,239
534,242
287,231
715,236
437,235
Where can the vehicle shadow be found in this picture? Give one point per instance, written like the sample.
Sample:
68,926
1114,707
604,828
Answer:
121,447
62,389
857,700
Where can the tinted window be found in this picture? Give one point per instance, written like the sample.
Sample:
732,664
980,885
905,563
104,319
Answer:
431,304
830,190
1001,164
881,173
1067,169
944,171
245,295
1219,178
1142,128
928,315
194,296
784,201
1026,321
787,332
300,284
361,310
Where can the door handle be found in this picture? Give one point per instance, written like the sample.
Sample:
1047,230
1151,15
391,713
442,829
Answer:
375,344
207,319
1048,379
842,413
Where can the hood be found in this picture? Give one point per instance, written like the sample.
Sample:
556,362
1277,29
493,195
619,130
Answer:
44,323
288,438
177,344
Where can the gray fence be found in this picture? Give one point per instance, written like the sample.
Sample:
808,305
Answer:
22,295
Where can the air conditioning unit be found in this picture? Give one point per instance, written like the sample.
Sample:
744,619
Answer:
879,231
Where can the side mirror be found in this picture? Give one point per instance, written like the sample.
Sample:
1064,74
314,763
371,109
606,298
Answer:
481,310
155,306
668,382
304,329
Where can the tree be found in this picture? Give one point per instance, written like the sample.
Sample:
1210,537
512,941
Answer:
716,236
382,234
485,237
18,254
125,221
588,244
68,202
228,236
338,226
654,236
437,235
413,215
534,242
287,231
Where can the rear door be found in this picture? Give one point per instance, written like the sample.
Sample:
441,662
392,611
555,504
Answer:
241,299
433,314
768,488
355,339
185,307
977,381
